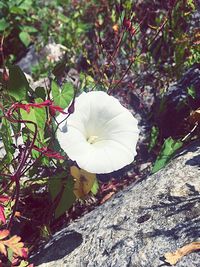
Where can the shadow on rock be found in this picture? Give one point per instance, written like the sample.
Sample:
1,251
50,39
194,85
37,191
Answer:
195,161
58,247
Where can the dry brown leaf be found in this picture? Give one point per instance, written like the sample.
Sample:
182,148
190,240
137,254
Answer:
3,249
194,116
173,257
83,181
15,244
115,28
18,214
3,234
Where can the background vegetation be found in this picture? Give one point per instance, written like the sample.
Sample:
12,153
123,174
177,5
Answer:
114,46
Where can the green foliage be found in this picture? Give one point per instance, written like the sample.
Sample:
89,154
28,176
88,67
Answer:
168,149
5,134
17,24
191,92
194,56
40,92
62,96
173,47
26,20
3,24
103,49
153,137
95,187
25,38
17,85
62,195
36,115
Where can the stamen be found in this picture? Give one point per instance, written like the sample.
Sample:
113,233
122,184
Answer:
92,139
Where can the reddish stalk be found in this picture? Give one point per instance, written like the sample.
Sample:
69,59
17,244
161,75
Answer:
20,169
131,63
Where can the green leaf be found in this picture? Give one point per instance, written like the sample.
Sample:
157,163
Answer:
61,191
17,85
26,4
10,254
168,149
29,29
3,5
5,134
3,24
16,10
24,263
86,82
45,233
37,115
191,91
25,38
40,92
191,4
62,96
63,18
153,137
95,187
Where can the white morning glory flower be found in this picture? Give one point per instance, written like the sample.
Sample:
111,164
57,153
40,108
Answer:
100,135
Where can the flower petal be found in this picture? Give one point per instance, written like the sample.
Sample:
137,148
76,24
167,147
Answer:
115,130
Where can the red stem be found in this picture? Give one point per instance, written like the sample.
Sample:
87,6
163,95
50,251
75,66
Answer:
20,169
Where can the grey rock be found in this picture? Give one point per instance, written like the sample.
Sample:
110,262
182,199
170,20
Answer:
52,52
190,79
29,60
72,76
43,82
138,225
195,18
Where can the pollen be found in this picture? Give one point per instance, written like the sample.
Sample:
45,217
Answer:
92,139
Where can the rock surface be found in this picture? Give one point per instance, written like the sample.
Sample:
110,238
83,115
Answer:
138,225
29,60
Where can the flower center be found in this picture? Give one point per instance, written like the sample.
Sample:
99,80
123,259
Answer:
92,139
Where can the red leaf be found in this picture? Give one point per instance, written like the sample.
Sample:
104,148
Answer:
127,23
46,103
22,106
128,26
2,215
54,155
57,108
25,253
48,152
5,75
4,199
52,112
42,149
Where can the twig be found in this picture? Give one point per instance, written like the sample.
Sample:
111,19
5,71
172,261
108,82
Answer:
193,129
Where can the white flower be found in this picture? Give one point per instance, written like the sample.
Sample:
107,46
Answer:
100,135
